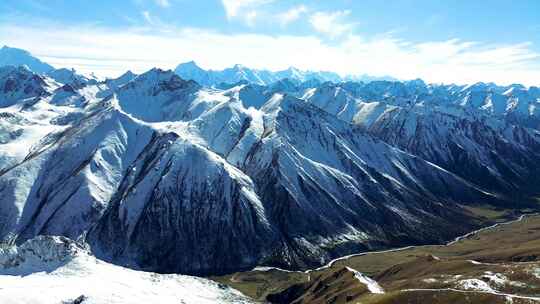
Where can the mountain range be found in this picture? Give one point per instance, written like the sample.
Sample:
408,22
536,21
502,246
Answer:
168,174
239,73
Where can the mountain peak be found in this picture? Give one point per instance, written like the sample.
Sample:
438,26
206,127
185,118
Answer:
127,75
189,64
416,81
158,72
19,57
157,80
6,48
191,71
70,76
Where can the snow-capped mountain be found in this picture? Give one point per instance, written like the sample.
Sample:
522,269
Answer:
166,174
19,83
190,70
51,269
514,104
120,81
480,145
17,57
71,77
368,78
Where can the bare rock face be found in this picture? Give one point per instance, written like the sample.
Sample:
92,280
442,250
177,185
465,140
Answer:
78,300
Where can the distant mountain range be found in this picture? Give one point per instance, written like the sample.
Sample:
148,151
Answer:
167,174
239,73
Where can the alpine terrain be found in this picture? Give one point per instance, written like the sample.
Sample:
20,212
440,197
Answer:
209,173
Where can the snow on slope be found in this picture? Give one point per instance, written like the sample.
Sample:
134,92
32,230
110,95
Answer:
371,284
157,96
182,208
491,153
21,130
230,131
34,107
70,76
319,181
43,200
57,270
120,81
119,142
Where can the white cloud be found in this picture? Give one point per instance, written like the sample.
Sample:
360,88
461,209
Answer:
244,10
291,15
110,52
163,3
234,8
331,23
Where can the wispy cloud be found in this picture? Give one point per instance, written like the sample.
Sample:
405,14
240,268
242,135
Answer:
245,10
163,3
147,17
111,52
152,21
234,8
291,15
332,24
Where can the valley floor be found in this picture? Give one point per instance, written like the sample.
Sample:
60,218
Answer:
498,264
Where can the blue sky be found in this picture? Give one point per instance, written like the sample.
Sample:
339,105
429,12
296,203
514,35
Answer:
440,41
